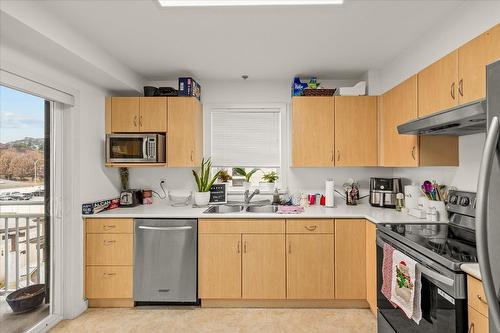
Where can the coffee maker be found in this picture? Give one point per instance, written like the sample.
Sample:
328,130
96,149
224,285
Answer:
383,191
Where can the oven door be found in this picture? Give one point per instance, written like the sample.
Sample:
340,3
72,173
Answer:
443,297
131,148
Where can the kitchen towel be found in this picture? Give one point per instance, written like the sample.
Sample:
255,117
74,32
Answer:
406,285
290,209
387,272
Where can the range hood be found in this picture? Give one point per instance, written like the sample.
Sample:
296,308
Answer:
465,119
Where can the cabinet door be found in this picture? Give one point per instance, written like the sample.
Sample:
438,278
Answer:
125,114
356,131
350,259
219,266
438,85
185,131
108,281
153,117
109,249
472,60
313,127
477,322
371,266
398,106
310,267
263,267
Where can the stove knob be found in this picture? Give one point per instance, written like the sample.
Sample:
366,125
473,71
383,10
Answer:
453,199
464,201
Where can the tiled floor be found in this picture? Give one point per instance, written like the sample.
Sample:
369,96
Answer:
187,320
18,323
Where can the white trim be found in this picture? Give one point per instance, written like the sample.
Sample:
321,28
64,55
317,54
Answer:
18,82
46,324
230,3
285,135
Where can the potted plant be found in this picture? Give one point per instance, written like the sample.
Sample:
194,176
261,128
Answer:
247,175
269,180
204,182
224,176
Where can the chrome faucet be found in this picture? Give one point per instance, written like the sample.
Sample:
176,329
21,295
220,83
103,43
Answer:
249,196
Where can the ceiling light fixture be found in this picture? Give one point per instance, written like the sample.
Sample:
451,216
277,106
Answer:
229,3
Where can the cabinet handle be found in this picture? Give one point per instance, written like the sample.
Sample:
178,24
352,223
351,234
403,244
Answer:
135,121
338,155
192,152
481,299
452,90
461,87
331,157
239,246
311,227
289,248
140,120
109,242
109,274
471,328
245,247
413,152
108,227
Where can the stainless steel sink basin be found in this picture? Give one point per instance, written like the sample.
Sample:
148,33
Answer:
262,209
224,209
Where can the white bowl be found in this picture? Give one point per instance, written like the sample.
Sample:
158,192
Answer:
179,197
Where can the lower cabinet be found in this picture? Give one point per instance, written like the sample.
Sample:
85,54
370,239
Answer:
477,322
310,266
371,266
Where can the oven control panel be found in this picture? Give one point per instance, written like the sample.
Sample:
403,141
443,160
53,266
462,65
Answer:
461,202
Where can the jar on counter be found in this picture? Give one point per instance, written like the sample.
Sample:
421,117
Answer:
400,201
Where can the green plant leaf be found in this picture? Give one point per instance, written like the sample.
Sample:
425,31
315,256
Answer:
197,180
250,174
240,171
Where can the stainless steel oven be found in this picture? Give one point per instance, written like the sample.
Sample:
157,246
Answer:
135,148
443,296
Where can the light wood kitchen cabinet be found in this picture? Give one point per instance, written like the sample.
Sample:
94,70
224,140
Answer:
313,125
472,60
219,266
438,85
477,322
310,266
356,131
397,106
371,265
185,132
137,114
476,297
350,259
263,266
109,262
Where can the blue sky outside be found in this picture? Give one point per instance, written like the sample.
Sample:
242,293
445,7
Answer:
21,115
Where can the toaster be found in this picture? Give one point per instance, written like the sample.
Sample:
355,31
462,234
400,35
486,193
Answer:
130,198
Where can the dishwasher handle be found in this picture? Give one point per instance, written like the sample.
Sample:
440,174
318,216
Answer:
143,227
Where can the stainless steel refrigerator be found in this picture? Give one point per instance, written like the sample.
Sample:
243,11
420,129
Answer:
488,201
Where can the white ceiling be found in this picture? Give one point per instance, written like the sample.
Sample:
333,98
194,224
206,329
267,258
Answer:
335,42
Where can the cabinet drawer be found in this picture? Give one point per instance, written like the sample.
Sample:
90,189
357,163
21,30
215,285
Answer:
108,282
306,226
109,249
476,296
109,226
241,226
477,322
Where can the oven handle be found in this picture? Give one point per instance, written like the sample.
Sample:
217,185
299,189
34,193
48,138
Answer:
424,270
145,153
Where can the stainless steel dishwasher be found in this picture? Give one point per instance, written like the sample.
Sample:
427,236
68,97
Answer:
165,260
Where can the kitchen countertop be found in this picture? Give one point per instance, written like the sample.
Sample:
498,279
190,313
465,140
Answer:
472,270
164,210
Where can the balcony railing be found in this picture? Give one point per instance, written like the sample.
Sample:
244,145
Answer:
22,243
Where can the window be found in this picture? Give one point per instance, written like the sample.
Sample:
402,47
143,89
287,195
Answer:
250,136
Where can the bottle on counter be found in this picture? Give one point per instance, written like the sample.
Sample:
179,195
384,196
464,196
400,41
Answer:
400,201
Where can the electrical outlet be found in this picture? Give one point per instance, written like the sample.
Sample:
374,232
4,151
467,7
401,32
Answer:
163,180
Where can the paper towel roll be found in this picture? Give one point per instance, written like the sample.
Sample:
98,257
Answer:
329,192
412,193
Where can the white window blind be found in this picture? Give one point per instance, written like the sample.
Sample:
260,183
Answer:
246,137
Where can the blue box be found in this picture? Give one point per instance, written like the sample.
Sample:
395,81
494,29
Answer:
189,87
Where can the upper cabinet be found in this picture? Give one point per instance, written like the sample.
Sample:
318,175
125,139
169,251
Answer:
185,132
356,131
459,77
398,106
138,114
438,86
326,131
472,59
313,124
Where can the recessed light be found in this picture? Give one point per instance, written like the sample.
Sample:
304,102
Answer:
211,3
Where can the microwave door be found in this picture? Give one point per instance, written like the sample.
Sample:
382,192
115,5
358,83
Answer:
126,148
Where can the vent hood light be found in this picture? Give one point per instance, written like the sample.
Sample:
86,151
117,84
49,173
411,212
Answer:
229,3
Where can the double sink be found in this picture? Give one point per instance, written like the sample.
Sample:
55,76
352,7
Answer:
262,207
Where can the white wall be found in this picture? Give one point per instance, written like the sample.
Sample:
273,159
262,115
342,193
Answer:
468,21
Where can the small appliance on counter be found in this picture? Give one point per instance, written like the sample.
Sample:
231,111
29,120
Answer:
130,198
135,148
383,191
